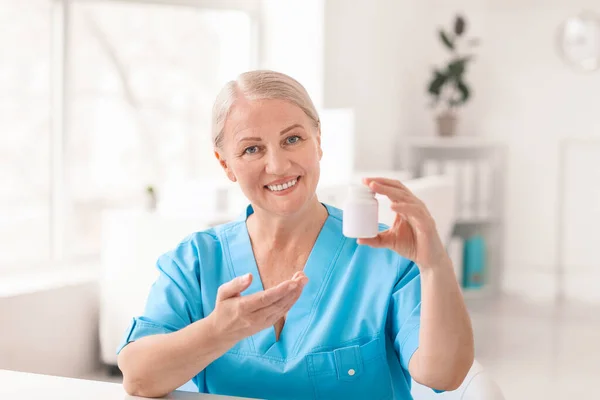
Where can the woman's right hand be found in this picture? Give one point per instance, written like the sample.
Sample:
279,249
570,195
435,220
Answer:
236,317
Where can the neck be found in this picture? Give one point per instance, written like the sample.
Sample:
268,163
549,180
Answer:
277,232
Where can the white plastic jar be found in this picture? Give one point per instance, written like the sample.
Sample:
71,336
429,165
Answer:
361,213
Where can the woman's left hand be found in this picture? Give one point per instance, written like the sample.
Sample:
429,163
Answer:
413,234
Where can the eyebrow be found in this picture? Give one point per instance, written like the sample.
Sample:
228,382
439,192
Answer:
289,128
283,132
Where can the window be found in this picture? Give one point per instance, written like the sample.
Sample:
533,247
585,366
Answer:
24,133
143,80
141,77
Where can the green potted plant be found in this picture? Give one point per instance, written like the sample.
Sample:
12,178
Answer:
448,86
151,198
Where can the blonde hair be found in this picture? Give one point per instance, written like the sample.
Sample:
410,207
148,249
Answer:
259,85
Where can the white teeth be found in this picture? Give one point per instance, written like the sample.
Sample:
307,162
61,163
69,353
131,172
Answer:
276,188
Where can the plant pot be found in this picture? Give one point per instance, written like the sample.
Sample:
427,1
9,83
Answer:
151,200
446,124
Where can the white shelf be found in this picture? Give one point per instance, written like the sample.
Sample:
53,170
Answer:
476,294
475,220
456,142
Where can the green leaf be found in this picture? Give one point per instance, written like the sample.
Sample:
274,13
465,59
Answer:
437,83
465,93
457,67
459,25
449,44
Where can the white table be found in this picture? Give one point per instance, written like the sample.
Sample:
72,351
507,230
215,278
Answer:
25,386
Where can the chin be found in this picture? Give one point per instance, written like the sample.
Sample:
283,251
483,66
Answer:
287,205
286,208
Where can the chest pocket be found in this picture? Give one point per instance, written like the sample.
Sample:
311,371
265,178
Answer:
353,372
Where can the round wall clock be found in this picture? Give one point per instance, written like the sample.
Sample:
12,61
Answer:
579,41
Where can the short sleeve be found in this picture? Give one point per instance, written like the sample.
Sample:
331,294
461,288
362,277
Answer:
405,312
174,300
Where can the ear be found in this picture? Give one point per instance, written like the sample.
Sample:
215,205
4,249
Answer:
225,166
319,141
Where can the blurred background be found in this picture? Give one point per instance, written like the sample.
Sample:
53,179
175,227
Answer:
106,158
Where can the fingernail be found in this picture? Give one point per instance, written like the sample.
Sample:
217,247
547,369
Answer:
293,286
246,277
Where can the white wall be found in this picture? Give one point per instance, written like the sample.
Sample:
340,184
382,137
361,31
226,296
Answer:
292,42
366,62
378,58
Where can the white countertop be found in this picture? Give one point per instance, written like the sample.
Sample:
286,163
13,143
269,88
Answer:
21,385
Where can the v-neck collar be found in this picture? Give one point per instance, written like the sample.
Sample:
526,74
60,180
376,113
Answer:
317,268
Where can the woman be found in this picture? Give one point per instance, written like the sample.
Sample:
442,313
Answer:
279,304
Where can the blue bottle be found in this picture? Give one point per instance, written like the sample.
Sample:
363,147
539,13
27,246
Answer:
474,262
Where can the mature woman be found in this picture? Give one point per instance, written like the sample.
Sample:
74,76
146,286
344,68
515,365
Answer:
279,304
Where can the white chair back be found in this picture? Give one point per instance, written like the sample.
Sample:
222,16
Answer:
438,192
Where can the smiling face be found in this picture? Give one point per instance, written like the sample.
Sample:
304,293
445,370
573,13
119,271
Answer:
272,149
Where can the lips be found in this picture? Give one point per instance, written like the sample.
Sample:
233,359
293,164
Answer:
283,180
281,185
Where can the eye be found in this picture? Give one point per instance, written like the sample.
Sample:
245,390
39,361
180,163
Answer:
251,150
292,139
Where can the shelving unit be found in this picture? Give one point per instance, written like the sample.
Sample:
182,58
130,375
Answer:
414,152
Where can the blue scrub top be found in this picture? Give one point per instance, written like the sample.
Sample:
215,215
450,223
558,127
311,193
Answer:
350,335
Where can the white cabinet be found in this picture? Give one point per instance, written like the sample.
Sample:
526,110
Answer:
578,268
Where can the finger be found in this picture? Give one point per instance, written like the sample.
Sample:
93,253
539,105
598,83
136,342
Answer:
392,192
303,280
416,216
300,277
234,287
401,192
406,198
267,297
388,182
408,210
381,240
292,296
278,309
297,275
395,192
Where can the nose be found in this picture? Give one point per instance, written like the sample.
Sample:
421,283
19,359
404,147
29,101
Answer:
278,162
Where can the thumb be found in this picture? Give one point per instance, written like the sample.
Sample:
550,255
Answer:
377,241
234,287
